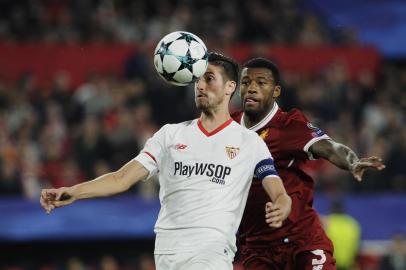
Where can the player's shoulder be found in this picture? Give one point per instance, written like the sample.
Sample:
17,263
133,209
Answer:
176,127
246,133
237,116
293,117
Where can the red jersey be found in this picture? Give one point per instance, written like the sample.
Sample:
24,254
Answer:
288,136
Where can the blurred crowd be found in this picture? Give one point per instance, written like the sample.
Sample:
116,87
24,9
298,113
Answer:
62,134
226,22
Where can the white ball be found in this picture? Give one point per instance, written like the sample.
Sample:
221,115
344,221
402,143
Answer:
180,58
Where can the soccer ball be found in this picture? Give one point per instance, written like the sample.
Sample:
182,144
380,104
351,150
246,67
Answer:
180,58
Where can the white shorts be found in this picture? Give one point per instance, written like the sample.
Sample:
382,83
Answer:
202,260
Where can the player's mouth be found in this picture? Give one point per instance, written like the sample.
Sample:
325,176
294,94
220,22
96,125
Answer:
200,95
250,101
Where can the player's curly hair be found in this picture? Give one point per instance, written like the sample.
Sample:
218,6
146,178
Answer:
231,68
260,62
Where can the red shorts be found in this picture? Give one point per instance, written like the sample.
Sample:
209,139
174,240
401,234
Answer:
285,257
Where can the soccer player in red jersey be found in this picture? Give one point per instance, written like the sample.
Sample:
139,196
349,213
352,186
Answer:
301,242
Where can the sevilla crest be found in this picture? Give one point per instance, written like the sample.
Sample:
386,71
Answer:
232,152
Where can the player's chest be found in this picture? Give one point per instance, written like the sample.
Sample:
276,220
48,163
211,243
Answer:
217,159
277,141
223,150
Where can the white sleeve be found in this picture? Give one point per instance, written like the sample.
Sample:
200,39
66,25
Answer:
262,151
153,152
264,165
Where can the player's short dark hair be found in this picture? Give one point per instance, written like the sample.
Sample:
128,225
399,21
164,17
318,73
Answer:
231,68
261,62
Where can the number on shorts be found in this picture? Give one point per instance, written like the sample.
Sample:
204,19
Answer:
319,252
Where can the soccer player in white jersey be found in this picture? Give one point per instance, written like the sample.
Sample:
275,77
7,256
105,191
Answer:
205,169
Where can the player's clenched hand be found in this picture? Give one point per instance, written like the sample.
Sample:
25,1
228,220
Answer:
53,198
275,214
362,164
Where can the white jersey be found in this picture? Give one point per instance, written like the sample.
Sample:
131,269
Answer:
204,182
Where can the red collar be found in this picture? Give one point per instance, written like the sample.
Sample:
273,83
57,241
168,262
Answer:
218,129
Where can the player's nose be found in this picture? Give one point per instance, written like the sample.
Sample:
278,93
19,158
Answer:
252,87
199,84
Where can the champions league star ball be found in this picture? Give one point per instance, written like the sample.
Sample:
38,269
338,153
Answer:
180,58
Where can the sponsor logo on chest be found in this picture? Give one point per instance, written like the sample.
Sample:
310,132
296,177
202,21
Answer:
216,172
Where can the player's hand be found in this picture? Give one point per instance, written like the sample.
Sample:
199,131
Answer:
363,164
54,198
275,214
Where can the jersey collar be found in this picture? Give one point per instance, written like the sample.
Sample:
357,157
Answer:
218,129
264,121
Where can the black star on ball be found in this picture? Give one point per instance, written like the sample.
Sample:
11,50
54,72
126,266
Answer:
164,50
168,76
187,37
186,61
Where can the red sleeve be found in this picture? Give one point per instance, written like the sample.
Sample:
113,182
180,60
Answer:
299,134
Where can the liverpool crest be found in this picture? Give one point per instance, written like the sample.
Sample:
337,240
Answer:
264,134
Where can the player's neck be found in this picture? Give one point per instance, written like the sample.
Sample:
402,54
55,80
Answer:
251,120
213,120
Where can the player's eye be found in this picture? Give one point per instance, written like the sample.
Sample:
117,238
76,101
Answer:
244,83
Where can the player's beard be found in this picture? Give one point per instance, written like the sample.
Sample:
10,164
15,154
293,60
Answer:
253,111
206,106
258,112
202,105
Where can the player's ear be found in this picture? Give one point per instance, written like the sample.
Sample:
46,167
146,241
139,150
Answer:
230,87
277,91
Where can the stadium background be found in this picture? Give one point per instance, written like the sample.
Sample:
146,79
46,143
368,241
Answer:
79,96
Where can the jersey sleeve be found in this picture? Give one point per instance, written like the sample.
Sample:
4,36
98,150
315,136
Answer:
152,154
264,164
316,135
300,135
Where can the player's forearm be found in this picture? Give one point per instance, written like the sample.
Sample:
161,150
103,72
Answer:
105,185
276,191
339,154
343,157
111,183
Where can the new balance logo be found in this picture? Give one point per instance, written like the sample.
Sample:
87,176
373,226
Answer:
180,146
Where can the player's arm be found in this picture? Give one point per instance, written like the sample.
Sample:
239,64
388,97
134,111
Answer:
105,185
279,209
344,157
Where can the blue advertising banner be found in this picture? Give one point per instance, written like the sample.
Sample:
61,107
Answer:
380,216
